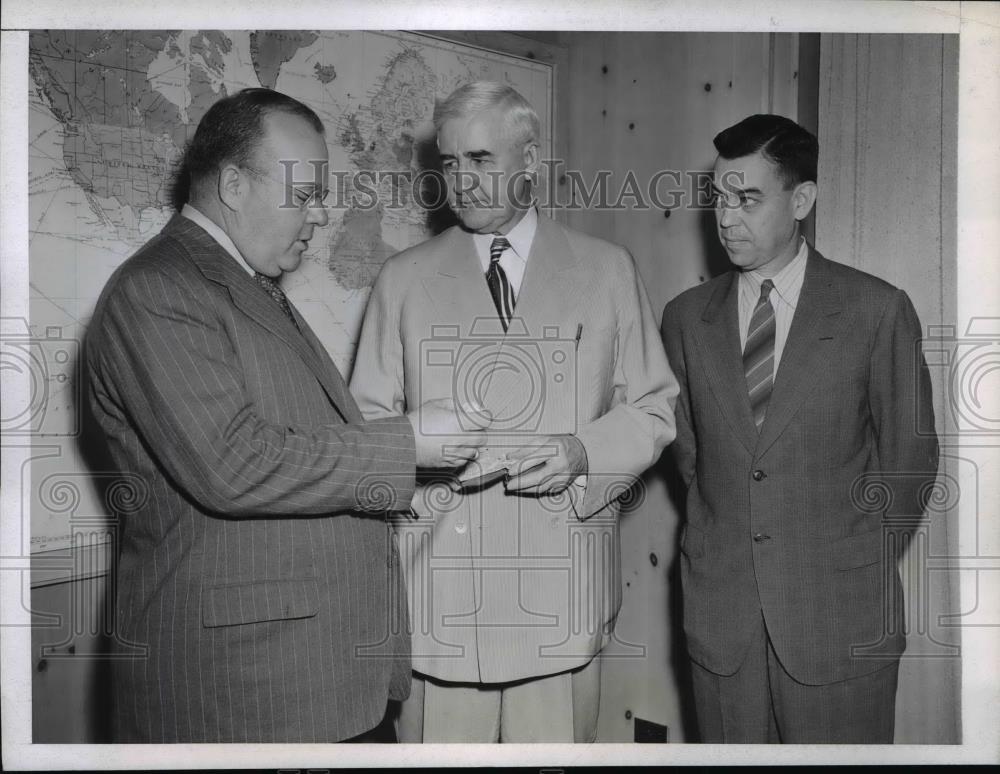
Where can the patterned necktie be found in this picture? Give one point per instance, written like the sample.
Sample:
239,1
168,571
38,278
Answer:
758,355
496,278
275,292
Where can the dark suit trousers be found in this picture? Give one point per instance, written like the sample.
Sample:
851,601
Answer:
384,732
760,703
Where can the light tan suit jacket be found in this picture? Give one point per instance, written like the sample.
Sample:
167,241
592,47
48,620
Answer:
505,587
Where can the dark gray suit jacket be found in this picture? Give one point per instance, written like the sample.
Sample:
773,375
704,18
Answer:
256,569
792,522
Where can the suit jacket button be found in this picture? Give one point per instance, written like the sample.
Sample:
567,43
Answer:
759,475
760,537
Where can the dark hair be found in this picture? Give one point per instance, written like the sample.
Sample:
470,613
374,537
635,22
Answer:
231,131
780,140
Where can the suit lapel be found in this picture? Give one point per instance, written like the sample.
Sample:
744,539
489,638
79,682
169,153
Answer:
333,383
550,278
247,296
719,348
459,284
807,349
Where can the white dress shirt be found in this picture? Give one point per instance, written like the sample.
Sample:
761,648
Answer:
217,234
514,259
784,298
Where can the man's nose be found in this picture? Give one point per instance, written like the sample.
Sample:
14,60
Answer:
318,216
464,180
727,215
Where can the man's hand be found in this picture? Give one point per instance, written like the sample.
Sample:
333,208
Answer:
441,440
547,464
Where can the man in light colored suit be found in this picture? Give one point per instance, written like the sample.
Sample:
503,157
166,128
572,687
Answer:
802,388
258,594
514,582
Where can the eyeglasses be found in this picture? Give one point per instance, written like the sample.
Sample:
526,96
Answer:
302,198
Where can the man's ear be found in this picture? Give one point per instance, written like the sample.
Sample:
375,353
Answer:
803,199
233,186
532,159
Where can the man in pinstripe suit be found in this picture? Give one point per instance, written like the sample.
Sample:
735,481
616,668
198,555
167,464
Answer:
802,386
256,581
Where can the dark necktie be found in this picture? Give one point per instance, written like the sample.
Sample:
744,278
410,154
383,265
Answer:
275,292
496,278
758,355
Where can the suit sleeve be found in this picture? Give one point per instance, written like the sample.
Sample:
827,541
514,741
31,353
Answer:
630,436
902,410
377,379
683,449
164,352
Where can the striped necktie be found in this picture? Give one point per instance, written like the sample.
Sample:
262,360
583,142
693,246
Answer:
276,293
758,355
500,288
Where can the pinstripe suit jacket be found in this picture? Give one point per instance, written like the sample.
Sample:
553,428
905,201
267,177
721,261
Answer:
792,521
256,576
510,587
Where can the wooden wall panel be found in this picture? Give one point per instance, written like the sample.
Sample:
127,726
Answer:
663,97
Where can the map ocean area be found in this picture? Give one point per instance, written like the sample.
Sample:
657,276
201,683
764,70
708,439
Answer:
111,112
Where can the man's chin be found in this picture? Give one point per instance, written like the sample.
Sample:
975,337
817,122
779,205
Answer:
473,219
291,260
481,220
741,258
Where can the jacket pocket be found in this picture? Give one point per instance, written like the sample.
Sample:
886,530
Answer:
861,550
270,600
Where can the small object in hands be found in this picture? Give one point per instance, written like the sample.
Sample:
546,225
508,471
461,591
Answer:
491,466
474,410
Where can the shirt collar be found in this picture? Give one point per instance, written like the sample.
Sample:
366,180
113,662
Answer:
220,236
520,237
785,281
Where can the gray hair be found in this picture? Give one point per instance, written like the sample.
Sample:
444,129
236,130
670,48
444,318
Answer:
520,123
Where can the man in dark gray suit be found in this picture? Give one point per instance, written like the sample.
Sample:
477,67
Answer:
802,388
257,576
